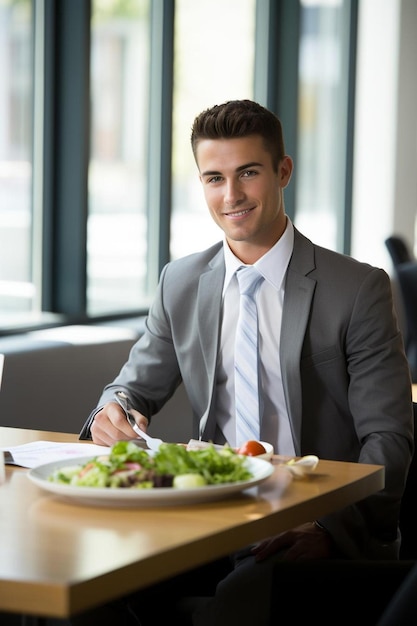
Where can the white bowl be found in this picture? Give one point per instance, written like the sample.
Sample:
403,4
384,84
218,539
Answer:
303,466
269,451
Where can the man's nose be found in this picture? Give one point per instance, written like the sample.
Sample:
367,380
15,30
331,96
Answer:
234,193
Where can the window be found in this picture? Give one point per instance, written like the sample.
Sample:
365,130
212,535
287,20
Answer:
117,224
214,62
98,185
17,291
322,128
118,229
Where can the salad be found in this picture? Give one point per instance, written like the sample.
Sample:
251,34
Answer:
172,465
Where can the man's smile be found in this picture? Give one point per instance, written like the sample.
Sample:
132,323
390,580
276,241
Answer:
239,213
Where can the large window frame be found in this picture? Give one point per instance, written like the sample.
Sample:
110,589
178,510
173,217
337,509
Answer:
62,177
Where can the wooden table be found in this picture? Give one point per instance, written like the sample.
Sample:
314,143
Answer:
59,558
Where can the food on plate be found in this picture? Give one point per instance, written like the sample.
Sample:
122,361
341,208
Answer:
251,448
188,481
172,465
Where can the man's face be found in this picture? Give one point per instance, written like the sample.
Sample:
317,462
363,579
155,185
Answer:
243,192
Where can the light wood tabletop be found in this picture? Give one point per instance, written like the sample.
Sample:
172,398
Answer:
58,558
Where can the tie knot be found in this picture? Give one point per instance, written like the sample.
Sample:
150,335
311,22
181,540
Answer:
249,279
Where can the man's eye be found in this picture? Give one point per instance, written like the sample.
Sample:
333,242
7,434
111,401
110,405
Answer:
249,173
214,179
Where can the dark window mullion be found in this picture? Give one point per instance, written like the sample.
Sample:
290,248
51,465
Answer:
71,150
48,123
277,46
160,138
350,123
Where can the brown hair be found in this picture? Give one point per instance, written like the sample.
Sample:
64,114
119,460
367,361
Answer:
240,118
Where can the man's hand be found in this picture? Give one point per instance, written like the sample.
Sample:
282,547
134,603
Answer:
303,543
110,425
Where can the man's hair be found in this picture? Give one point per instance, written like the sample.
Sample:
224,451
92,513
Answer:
240,118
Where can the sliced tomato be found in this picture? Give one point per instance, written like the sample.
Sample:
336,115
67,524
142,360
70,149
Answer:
251,448
86,469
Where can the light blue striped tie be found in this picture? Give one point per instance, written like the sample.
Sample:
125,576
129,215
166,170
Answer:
247,382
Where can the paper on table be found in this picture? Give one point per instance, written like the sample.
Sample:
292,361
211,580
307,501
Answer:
39,452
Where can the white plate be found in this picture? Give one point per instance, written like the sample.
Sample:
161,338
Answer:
119,497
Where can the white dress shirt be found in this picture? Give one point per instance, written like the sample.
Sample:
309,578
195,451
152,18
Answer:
275,428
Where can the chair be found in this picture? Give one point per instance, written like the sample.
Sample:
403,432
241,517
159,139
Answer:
399,250
407,281
405,267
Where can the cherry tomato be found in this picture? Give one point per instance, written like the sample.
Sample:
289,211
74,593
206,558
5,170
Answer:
251,448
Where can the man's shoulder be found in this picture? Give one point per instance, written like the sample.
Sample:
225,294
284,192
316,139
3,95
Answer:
197,261
180,279
321,258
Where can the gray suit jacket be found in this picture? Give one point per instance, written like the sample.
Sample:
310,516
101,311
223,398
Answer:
346,378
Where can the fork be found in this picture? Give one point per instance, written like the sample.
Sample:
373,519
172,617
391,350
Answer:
123,401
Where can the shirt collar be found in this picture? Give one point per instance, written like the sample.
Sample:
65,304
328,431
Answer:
272,265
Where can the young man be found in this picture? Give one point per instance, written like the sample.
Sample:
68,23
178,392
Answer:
334,378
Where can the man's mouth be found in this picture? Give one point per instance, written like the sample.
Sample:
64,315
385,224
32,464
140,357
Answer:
239,213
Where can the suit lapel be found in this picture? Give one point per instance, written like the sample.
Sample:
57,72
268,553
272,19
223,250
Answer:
209,302
299,290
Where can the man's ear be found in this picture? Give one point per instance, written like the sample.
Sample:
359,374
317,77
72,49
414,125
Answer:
285,169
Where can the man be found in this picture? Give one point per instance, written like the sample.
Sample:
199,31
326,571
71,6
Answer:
335,380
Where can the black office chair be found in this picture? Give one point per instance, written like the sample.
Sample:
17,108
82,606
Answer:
405,267
399,250
407,281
